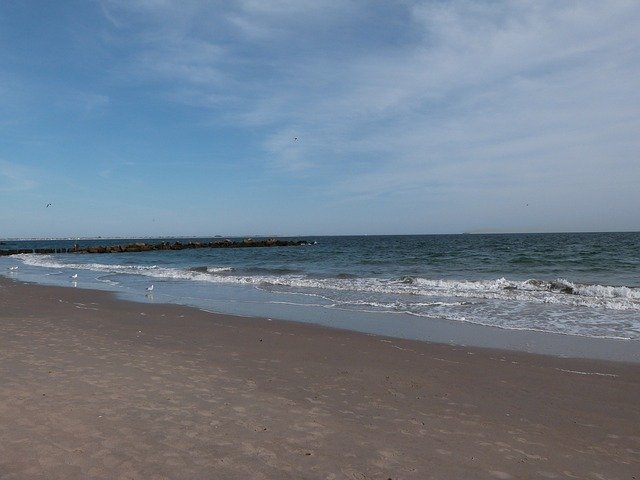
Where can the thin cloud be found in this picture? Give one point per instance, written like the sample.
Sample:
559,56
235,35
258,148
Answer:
15,178
438,96
463,90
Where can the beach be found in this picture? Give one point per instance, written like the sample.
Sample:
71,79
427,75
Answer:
298,240
96,387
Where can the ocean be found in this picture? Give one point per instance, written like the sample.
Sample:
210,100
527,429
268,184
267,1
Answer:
578,284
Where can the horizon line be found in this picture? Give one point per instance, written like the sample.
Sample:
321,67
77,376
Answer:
142,237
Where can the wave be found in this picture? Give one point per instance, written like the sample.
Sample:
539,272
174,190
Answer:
269,271
559,291
206,269
346,275
559,306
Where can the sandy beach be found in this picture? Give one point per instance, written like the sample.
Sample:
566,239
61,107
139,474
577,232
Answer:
95,387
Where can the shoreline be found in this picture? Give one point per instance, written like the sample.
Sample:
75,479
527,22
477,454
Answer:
133,302
432,330
94,386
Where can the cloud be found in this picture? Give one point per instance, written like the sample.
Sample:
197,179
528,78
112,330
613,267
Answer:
256,20
452,96
93,101
482,92
105,173
15,178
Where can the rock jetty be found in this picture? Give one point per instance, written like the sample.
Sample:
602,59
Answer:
146,247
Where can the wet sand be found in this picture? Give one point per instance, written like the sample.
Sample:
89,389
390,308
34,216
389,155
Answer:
94,387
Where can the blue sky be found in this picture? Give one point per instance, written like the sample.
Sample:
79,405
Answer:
155,117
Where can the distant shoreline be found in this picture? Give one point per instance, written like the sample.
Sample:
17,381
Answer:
188,237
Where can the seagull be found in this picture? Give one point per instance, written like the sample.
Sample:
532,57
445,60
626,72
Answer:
150,289
13,268
74,276
295,139
48,205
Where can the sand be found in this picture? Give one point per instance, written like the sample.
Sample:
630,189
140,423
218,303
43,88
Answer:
94,387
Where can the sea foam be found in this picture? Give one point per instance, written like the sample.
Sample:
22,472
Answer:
559,291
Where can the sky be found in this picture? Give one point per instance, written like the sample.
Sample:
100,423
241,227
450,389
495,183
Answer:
320,117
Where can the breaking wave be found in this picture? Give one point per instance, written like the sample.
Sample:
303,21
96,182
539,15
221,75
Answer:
558,291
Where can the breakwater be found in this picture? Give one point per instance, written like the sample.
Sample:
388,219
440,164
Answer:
146,247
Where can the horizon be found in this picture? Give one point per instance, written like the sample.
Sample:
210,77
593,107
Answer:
135,119
178,237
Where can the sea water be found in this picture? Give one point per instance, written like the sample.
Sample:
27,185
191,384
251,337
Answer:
581,284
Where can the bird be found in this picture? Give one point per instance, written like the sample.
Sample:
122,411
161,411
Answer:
48,205
74,276
295,139
150,289
13,268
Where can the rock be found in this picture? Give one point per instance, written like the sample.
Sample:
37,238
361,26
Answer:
144,247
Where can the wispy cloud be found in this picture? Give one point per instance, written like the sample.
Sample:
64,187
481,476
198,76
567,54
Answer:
15,178
465,110
458,94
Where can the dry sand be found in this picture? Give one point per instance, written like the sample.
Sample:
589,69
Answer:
93,387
